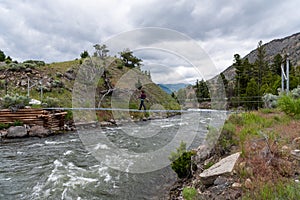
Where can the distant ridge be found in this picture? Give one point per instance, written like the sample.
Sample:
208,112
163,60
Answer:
169,88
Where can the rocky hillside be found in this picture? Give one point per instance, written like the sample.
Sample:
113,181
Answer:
288,45
57,79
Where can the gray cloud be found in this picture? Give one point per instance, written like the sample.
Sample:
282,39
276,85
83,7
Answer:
60,30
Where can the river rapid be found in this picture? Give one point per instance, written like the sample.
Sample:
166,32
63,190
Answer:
61,167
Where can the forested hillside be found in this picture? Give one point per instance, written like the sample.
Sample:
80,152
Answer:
259,72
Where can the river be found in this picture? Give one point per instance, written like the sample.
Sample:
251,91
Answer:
63,167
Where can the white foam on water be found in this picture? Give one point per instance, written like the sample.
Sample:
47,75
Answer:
75,181
36,145
53,176
37,190
183,123
5,179
53,142
167,125
68,152
101,146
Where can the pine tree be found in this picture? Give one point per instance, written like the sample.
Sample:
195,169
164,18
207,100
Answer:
202,91
2,56
276,66
261,66
252,92
129,59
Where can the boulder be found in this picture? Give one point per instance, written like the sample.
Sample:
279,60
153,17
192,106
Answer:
39,131
70,74
223,167
16,132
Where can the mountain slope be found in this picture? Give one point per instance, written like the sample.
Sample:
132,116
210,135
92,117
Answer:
287,45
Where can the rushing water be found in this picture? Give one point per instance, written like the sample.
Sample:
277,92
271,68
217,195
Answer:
60,167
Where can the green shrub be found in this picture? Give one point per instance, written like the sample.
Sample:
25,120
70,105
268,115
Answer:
17,123
226,139
29,65
181,161
189,193
179,151
4,126
15,101
69,115
182,166
35,62
289,105
16,67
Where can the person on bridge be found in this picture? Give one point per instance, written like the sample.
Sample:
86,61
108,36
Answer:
142,98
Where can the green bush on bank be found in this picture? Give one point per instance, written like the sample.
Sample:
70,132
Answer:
14,101
289,105
6,126
181,161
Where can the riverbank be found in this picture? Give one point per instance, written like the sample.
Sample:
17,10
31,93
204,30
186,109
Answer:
268,166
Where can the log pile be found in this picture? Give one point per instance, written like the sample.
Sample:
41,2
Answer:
51,120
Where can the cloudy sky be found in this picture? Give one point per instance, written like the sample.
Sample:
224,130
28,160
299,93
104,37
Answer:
59,30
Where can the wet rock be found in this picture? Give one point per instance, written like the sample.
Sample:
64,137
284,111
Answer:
16,132
223,167
39,131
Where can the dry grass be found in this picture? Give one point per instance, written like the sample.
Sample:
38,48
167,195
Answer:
266,140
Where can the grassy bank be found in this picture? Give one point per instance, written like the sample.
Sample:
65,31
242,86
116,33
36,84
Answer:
265,170
265,138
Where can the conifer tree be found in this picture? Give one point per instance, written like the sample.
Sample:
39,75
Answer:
252,93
